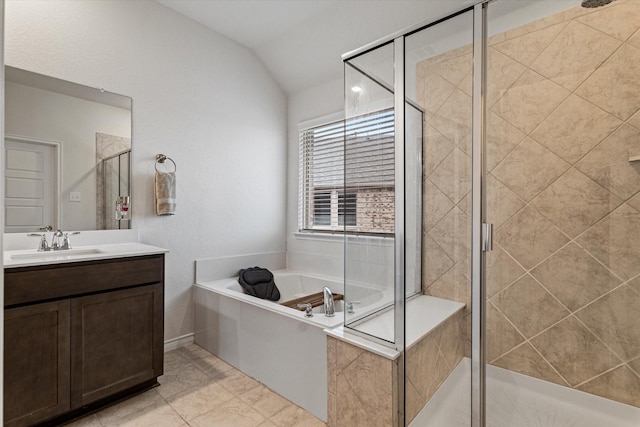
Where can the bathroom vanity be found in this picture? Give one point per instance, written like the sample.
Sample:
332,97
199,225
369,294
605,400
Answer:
82,330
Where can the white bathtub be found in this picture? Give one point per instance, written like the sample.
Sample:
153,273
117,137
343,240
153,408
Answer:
274,344
291,285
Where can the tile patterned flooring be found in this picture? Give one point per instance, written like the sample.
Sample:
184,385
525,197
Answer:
200,390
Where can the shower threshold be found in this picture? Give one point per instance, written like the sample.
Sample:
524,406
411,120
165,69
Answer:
516,400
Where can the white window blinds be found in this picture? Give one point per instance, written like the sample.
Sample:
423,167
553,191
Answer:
346,175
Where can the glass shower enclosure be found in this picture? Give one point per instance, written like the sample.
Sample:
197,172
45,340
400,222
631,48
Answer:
115,179
495,153
373,175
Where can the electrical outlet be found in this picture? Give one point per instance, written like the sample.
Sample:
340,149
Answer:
75,196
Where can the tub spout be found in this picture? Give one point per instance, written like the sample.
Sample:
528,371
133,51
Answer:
329,306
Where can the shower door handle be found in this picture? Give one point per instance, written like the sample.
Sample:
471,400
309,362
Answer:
487,237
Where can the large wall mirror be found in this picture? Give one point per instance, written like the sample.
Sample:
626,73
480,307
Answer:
67,155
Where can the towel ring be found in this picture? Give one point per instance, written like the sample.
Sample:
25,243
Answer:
161,158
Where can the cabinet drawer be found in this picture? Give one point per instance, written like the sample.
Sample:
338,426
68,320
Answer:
32,284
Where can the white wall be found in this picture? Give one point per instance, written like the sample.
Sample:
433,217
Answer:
198,97
73,122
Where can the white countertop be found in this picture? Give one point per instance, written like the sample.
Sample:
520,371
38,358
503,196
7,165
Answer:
366,344
28,258
424,314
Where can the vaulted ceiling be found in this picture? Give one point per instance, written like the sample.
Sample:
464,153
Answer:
301,41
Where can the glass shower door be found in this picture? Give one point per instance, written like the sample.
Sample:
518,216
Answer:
563,279
116,178
438,68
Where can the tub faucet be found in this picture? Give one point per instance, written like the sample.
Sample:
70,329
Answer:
329,306
308,309
350,309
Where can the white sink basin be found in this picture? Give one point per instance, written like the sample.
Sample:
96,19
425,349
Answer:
31,257
69,253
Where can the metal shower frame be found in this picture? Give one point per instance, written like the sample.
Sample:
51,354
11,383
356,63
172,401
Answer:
481,236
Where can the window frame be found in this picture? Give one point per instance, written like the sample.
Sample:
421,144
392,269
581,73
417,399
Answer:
305,205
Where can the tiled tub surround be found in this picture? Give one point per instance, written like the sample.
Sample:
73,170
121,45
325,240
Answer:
363,376
563,120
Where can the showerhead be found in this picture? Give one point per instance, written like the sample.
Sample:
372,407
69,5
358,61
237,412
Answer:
595,3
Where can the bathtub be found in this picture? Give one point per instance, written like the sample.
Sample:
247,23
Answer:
274,344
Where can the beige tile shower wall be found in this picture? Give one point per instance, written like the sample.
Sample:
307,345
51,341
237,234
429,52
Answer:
563,119
430,362
362,387
444,91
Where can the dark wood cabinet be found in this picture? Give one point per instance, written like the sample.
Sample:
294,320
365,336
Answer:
36,362
96,339
114,337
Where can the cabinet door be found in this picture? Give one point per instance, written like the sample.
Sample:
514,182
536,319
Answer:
116,342
36,362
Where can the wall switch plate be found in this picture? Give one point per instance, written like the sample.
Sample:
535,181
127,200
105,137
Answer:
75,196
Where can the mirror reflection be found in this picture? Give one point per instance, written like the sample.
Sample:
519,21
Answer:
67,155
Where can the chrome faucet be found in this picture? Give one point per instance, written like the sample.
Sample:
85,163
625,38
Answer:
43,245
329,305
55,241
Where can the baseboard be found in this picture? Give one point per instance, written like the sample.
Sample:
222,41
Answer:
175,343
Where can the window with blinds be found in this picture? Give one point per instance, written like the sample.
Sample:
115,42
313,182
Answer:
347,175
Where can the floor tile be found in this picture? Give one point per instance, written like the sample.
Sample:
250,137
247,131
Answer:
158,415
88,421
198,389
234,413
295,416
181,379
237,382
265,401
195,402
130,406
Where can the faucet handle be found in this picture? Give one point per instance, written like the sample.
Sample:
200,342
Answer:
43,245
67,242
350,309
308,312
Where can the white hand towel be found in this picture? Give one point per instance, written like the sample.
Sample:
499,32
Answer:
165,193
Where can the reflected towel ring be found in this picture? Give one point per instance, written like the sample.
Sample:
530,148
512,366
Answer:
161,158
